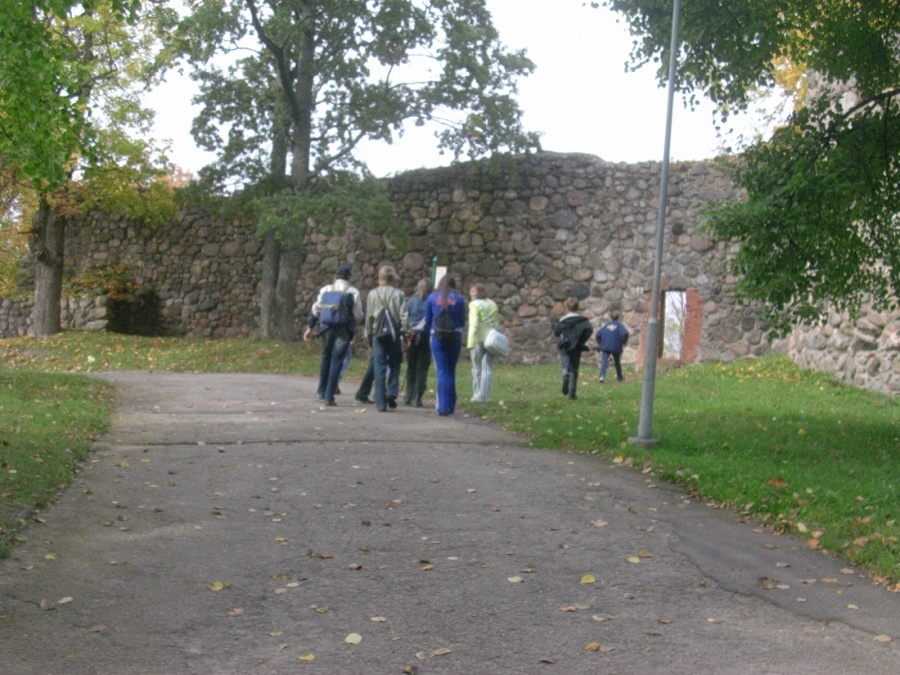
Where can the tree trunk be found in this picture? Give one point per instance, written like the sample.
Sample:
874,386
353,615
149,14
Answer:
283,323
268,283
47,244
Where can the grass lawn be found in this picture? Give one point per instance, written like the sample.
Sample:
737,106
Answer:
789,448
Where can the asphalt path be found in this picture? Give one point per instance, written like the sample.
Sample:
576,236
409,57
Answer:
231,524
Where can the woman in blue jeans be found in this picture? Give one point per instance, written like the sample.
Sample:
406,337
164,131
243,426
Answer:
446,341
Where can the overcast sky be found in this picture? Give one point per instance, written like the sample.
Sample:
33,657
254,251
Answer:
579,97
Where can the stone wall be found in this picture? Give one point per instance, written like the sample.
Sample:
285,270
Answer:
864,353
80,313
563,224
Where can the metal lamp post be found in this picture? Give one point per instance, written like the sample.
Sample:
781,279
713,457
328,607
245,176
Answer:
651,345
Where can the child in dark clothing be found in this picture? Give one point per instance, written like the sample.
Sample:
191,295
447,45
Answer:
612,338
572,332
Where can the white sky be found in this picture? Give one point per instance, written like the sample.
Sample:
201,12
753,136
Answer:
579,97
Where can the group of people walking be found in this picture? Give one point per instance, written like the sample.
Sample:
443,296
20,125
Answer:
573,332
429,325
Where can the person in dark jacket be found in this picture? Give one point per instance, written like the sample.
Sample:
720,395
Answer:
572,332
612,338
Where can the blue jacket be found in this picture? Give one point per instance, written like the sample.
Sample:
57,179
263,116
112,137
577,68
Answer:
612,337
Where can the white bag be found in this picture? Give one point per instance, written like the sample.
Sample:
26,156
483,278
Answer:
496,343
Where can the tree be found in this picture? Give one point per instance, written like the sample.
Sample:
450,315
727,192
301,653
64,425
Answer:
305,81
69,96
819,227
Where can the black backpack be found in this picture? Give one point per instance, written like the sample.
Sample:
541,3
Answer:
445,328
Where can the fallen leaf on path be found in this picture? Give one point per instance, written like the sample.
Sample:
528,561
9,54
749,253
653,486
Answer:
64,601
237,611
883,638
218,585
378,619
633,559
515,580
574,608
51,556
309,656
588,579
353,639
599,523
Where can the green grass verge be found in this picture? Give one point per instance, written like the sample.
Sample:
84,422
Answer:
47,422
786,447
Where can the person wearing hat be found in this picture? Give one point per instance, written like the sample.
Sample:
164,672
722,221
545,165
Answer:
336,311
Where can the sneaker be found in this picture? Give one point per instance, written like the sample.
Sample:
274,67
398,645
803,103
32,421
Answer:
602,380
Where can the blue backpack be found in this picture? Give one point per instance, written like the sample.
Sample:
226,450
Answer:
336,310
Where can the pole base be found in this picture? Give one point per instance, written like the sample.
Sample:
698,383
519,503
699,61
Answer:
643,442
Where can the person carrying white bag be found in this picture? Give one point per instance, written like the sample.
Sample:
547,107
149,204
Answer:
484,317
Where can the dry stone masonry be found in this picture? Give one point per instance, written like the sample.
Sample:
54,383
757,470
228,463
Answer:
560,224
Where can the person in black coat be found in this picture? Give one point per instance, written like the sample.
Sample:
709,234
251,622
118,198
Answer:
572,333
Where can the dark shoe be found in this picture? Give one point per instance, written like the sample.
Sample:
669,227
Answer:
331,403
382,409
407,401
391,401
364,399
565,387
337,390
321,397
418,403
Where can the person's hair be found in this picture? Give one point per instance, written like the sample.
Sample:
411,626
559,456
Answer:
480,290
388,274
572,303
614,315
424,287
444,285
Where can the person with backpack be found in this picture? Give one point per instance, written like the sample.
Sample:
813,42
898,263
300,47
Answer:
612,338
335,312
445,317
483,315
572,332
418,349
387,321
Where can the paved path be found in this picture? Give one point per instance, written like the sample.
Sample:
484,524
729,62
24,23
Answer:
446,545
